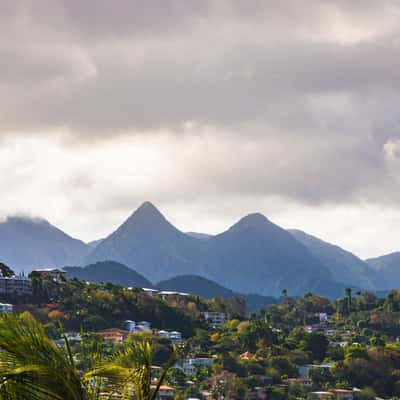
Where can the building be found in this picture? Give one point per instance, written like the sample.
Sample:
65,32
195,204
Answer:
143,326
114,335
304,370
17,284
174,336
136,327
56,274
150,292
215,319
201,361
130,325
346,394
5,308
188,368
321,395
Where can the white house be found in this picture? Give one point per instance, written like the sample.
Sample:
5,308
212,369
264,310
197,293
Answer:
215,319
6,307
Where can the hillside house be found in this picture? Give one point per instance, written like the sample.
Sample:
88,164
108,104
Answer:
114,335
5,307
215,319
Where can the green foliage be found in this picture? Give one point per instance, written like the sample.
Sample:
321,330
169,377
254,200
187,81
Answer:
6,271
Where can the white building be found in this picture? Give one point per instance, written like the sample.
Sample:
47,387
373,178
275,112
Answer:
215,319
174,336
135,327
6,307
129,325
188,368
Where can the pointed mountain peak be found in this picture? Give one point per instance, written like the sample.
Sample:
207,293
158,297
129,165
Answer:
254,219
149,210
147,218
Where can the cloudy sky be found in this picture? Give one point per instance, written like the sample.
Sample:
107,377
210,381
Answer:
209,109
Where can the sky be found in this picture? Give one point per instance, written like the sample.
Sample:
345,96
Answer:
209,109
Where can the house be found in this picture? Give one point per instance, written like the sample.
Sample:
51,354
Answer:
5,308
150,292
135,327
314,328
114,335
346,394
130,325
215,319
73,337
143,326
174,336
323,317
188,368
56,274
304,370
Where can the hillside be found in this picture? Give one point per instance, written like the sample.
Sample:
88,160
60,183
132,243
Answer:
109,271
27,243
208,289
387,268
343,265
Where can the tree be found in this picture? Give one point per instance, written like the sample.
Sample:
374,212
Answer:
32,367
6,271
317,344
347,292
227,386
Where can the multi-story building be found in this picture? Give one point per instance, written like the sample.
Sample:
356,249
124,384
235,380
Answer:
19,285
215,319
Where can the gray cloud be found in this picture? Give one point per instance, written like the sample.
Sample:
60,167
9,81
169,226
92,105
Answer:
215,99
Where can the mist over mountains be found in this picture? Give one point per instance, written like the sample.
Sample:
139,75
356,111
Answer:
27,243
254,256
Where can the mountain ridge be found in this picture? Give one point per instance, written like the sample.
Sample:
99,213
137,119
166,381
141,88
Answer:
27,243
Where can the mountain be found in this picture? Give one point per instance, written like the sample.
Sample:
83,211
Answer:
208,289
94,243
343,265
196,285
27,243
253,256
257,256
151,245
109,271
388,269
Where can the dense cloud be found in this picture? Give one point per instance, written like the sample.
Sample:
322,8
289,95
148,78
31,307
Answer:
199,102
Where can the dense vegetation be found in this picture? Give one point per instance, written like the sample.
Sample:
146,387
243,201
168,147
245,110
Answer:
352,341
